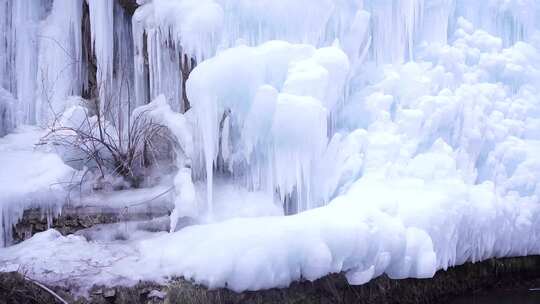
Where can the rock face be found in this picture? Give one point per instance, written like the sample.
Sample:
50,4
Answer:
129,5
73,219
509,273
483,276
15,289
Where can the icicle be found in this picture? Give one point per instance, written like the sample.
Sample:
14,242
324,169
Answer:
26,15
7,55
7,112
436,20
279,134
512,20
59,72
122,91
102,31
394,28
140,49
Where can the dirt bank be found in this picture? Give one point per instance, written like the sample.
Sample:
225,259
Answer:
494,273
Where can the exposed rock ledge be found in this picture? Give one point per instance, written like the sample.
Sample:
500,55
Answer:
493,273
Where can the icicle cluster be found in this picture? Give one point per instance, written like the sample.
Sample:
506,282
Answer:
271,82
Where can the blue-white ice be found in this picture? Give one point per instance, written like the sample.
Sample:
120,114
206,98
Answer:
407,131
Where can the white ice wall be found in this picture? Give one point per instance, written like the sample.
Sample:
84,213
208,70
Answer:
383,32
142,58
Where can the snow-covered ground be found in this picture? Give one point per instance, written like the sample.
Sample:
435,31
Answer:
407,132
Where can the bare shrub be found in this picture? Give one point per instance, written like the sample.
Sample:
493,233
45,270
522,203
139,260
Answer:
104,148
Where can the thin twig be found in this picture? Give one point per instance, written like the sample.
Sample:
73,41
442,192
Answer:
47,289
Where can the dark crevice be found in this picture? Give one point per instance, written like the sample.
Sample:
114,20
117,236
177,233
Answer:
90,89
129,5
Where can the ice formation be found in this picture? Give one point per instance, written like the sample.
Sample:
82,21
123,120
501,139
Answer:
7,112
160,112
276,118
404,133
29,177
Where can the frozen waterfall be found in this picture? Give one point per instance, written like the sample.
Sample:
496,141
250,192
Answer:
309,136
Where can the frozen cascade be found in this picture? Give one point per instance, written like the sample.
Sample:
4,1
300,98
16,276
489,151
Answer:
24,30
102,31
6,47
167,31
281,106
511,20
43,61
42,64
392,30
414,122
112,44
158,29
175,34
169,37
59,69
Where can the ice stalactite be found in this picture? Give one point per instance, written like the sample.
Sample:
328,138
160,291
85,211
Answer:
40,56
166,44
7,112
438,14
6,46
102,32
171,36
248,128
26,15
278,103
511,20
123,90
112,46
161,64
60,66
394,28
